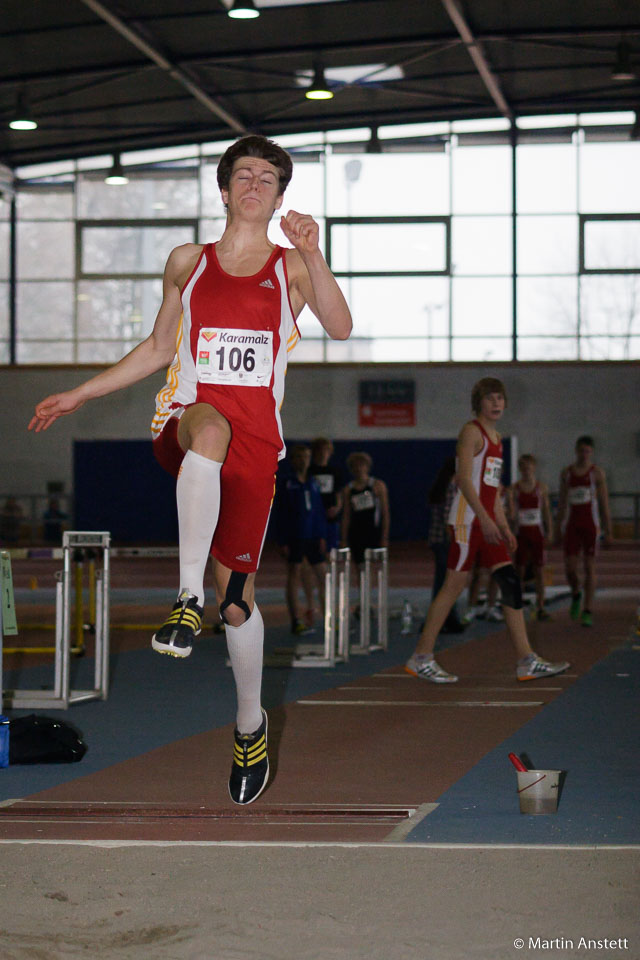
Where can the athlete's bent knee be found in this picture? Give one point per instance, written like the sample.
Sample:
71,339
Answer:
510,586
233,598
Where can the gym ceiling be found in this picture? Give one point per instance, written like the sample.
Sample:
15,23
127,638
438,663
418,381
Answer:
101,76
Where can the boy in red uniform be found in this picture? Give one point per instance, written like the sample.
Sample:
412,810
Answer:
530,515
226,326
583,487
479,529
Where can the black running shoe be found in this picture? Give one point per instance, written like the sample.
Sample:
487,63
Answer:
184,623
250,769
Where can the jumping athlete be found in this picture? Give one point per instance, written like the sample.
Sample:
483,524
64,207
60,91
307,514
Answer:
531,518
479,529
226,326
583,487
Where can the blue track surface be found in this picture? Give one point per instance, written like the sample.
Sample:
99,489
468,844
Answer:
592,732
156,700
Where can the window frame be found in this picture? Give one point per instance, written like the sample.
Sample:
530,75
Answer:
356,221
584,219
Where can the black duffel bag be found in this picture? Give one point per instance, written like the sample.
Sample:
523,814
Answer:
35,739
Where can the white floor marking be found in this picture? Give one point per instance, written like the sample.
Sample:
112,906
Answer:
408,676
459,686
403,829
370,845
420,703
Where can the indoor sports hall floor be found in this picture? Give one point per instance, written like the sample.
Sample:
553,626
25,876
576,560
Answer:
390,828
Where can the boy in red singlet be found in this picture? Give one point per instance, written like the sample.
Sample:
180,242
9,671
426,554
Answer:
530,514
583,487
479,529
226,326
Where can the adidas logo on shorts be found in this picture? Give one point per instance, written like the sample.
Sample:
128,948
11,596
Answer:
245,557
269,285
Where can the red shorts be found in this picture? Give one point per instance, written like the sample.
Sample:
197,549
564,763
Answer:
247,485
580,538
469,547
530,547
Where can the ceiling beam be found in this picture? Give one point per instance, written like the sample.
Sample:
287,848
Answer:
474,50
156,56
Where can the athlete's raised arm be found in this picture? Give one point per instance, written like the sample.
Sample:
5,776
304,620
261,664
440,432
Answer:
311,280
149,356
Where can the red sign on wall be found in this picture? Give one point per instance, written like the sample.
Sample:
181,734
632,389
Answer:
387,403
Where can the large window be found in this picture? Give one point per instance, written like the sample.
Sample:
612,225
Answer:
450,244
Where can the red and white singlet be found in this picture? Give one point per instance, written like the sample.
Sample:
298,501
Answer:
232,348
529,509
582,520
582,497
530,527
467,541
485,476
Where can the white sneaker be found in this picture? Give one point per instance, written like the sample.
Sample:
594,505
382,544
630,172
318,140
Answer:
535,667
428,670
495,614
473,613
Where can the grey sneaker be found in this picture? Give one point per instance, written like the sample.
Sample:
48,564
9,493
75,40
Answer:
428,670
535,667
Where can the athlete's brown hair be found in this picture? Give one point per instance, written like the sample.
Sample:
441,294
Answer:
320,443
256,146
483,388
527,458
360,456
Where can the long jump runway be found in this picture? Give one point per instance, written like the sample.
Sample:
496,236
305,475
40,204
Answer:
359,754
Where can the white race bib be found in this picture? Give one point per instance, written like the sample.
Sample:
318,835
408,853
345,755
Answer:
578,495
238,358
363,501
530,518
324,481
492,471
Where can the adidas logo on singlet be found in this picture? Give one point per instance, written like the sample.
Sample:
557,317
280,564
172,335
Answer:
268,284
245,557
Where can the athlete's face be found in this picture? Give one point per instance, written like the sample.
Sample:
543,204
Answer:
253,189
300,460
584,453
322,455
492,406
528,470
360,470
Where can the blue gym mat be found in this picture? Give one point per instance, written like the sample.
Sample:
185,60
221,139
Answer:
592,733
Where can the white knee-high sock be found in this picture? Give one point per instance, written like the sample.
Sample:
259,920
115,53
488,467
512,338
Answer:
245,645
198,496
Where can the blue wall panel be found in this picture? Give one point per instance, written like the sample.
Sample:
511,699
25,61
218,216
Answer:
119,486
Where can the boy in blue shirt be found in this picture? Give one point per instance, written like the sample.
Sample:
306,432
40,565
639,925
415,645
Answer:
301,529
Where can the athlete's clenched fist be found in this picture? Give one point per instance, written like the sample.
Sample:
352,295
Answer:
301,230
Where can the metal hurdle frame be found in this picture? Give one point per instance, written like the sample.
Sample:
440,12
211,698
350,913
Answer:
335,648
62,696
380,557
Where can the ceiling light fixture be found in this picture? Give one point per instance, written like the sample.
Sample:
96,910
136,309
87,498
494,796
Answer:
22,119
319,89
116,176
243,10
622,69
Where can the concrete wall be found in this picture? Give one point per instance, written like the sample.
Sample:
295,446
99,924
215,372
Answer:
549,406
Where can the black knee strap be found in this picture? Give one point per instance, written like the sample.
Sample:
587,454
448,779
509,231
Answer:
235,589
510,587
